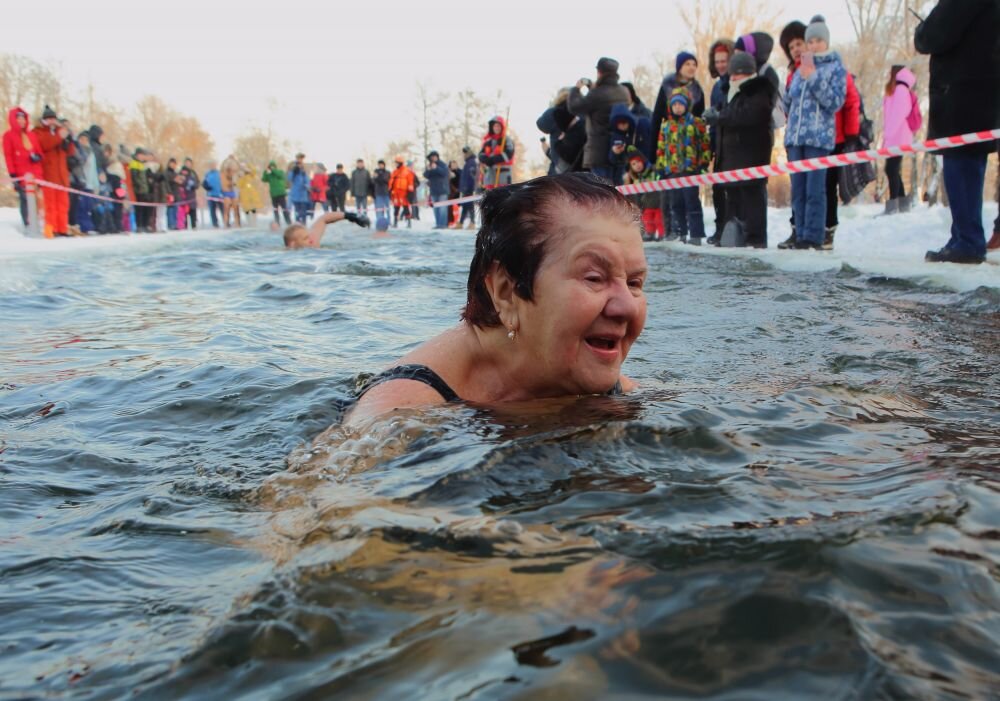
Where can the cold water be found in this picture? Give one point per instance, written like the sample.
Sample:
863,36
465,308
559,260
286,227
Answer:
803,501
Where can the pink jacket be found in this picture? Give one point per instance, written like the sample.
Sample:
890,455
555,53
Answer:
895,110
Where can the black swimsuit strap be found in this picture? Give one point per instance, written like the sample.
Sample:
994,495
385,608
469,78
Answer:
418,373
422,373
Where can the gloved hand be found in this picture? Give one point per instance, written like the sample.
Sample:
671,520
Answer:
711,115
35,158
359,219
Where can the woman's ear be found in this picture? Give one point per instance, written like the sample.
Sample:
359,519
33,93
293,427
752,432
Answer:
500,286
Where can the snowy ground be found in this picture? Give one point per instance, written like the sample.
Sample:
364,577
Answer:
891,246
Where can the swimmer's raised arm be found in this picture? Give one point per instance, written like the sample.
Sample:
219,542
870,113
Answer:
297,236
319,226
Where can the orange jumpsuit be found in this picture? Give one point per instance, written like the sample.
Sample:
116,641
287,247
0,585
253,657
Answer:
400,186
55,169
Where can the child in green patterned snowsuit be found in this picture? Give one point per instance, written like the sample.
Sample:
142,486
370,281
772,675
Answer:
683,148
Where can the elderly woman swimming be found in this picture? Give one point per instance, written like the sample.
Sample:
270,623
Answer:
555,302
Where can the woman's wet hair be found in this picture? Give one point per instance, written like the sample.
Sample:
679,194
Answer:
517,223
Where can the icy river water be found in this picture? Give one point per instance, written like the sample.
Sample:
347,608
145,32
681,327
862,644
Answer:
802,501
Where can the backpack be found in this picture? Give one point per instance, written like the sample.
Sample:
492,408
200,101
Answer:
914,120
853,178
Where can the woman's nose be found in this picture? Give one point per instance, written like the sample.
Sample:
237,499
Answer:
622,302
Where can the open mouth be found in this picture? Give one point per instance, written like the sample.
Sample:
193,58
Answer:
601,343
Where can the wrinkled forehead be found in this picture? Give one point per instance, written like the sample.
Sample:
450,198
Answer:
563,218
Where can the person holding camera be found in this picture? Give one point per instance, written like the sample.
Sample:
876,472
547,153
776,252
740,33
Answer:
57,146
568,135
595,107
277,185
818,91
298,180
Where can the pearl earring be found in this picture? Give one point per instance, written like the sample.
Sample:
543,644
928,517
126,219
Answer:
511,334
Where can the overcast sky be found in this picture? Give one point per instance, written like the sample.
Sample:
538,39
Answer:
336,77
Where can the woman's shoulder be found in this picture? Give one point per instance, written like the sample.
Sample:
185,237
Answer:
423,377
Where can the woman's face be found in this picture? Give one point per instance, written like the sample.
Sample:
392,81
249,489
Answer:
796,47
589,304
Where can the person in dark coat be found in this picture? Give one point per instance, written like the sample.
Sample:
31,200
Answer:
381,193
719,54
635,104
962,40
467,186
338,185
760,45
169,188
686,65
595,108
436,175
453,191
361,184
744,139
567,136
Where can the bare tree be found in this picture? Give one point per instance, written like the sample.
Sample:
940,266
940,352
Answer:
426,104
30,84
259,146
710,20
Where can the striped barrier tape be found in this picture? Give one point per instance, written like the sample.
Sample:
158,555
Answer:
676,183
809,164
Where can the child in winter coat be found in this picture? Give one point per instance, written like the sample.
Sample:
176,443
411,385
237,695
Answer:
497,155
901,119
629,130
744,139
683,148
640,171
818,90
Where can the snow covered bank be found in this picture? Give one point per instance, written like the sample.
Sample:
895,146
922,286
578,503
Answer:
886,246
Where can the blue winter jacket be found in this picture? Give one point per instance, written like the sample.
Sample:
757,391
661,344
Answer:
812,104
299,186
470,175
212,183
437,177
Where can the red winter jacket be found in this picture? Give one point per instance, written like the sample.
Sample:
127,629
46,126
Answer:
848,117
318,186
16,152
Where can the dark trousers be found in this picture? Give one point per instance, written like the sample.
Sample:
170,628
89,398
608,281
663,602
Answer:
665,209
192,215
22,198
396,210
686,215
302,211
747,201
468,210
279,202
73,200
964,177
832,184
340,203
894,174
117,216
215,211
719,204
